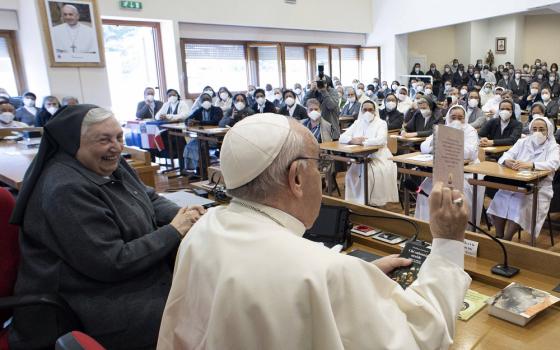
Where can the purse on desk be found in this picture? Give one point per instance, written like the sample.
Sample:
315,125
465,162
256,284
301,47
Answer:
332,227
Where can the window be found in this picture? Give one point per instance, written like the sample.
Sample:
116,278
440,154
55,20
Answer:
133,58
349,65
296,71
215,65
9,72
335,61
268,66
369,63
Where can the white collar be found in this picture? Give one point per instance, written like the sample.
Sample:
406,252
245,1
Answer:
268,213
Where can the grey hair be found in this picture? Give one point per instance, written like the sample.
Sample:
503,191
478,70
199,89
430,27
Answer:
274,178
94,116
314,102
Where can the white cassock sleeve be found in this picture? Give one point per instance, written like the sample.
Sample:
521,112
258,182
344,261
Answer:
376,135
346,136
374,312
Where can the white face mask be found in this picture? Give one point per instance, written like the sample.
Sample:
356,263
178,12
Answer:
173,99
487,90
224,96
517,76
297,91
476,76
538,138
463,91
505,115
426,113
314,115
352,99
278,97
261,100
498,98
537,115
6,117
428,91
390,105
206,104
239,105
384,87
359,92
534,91
473,102
417,70
369,93
394,87
401,97
367,116
447,87
150,98
52,110
251,92
29,102
209,92
456,124
414,85
545,97
290,101
420,88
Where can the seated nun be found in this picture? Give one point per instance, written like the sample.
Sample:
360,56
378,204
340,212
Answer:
239,110
405,102
456,118
7,117
502,130
26,113
292,109
475,117
423,120
352,106
390,114
370,130
94,234
246,279
321,129
511,211
175,109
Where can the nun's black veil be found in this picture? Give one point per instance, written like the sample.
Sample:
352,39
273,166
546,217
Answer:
60,134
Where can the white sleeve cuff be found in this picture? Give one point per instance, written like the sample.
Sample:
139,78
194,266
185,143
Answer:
450,249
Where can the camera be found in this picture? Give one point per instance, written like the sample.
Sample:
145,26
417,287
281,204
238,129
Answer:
320,84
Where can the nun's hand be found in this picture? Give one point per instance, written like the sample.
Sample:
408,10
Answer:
509,163
519,165
358,140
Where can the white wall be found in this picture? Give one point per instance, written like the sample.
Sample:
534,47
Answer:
541,38
462,42
391,18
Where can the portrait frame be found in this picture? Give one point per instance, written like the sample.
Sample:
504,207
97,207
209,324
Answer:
501,47
78,47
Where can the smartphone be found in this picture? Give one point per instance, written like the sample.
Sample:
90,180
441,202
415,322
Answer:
320,84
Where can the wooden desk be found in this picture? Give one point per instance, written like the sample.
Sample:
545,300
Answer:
352,153
539,269
496,170
345,121
494,151
15,158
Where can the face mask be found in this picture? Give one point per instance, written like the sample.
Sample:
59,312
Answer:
206,104
290,101
456,124
297,91
429,91
150,98
463,91
420,88
375,84
433,69
352,99
534,91
476,76
314,115
552,79
446,70
209,92
417,70
52,110
487,90
414,85
545,97
402,97
544,68
473,102
29,102
390,105
251,92
384,87
359,92
278,97
506,77
539,76
368,116
455,64
426,113
471,71
369,93
224,95
505,115
394,87
239,105
538,138
537,115
447,87
526,69
500,70
261,100
172,99
517,76
6,117
498,98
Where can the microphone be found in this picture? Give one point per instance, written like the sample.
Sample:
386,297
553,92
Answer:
413,187
500,269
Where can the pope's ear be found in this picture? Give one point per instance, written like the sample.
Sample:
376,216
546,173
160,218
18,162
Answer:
295,180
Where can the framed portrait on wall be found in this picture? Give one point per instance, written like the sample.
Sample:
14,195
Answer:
500,45
73,33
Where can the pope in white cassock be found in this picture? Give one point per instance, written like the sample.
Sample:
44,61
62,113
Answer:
72,38
246,279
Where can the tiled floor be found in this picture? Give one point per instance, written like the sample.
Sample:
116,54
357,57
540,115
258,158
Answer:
164,183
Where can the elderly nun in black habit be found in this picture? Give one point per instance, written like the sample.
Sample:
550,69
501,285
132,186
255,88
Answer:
92,233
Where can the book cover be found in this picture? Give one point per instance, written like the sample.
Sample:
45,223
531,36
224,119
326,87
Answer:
417,251
449,157
473,303
519,304
364,230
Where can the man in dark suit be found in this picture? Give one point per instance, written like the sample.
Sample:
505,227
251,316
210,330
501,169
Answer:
148,108
291,108
518,86
423,120
503,130
262,105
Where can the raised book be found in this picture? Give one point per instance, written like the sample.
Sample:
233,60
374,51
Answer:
519,304
473,303
449,156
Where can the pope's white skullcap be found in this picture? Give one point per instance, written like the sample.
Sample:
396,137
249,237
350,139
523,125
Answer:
251,146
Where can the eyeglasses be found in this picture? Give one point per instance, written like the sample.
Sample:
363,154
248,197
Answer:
303,158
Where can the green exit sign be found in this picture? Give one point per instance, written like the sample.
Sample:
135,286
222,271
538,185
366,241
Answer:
134,5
